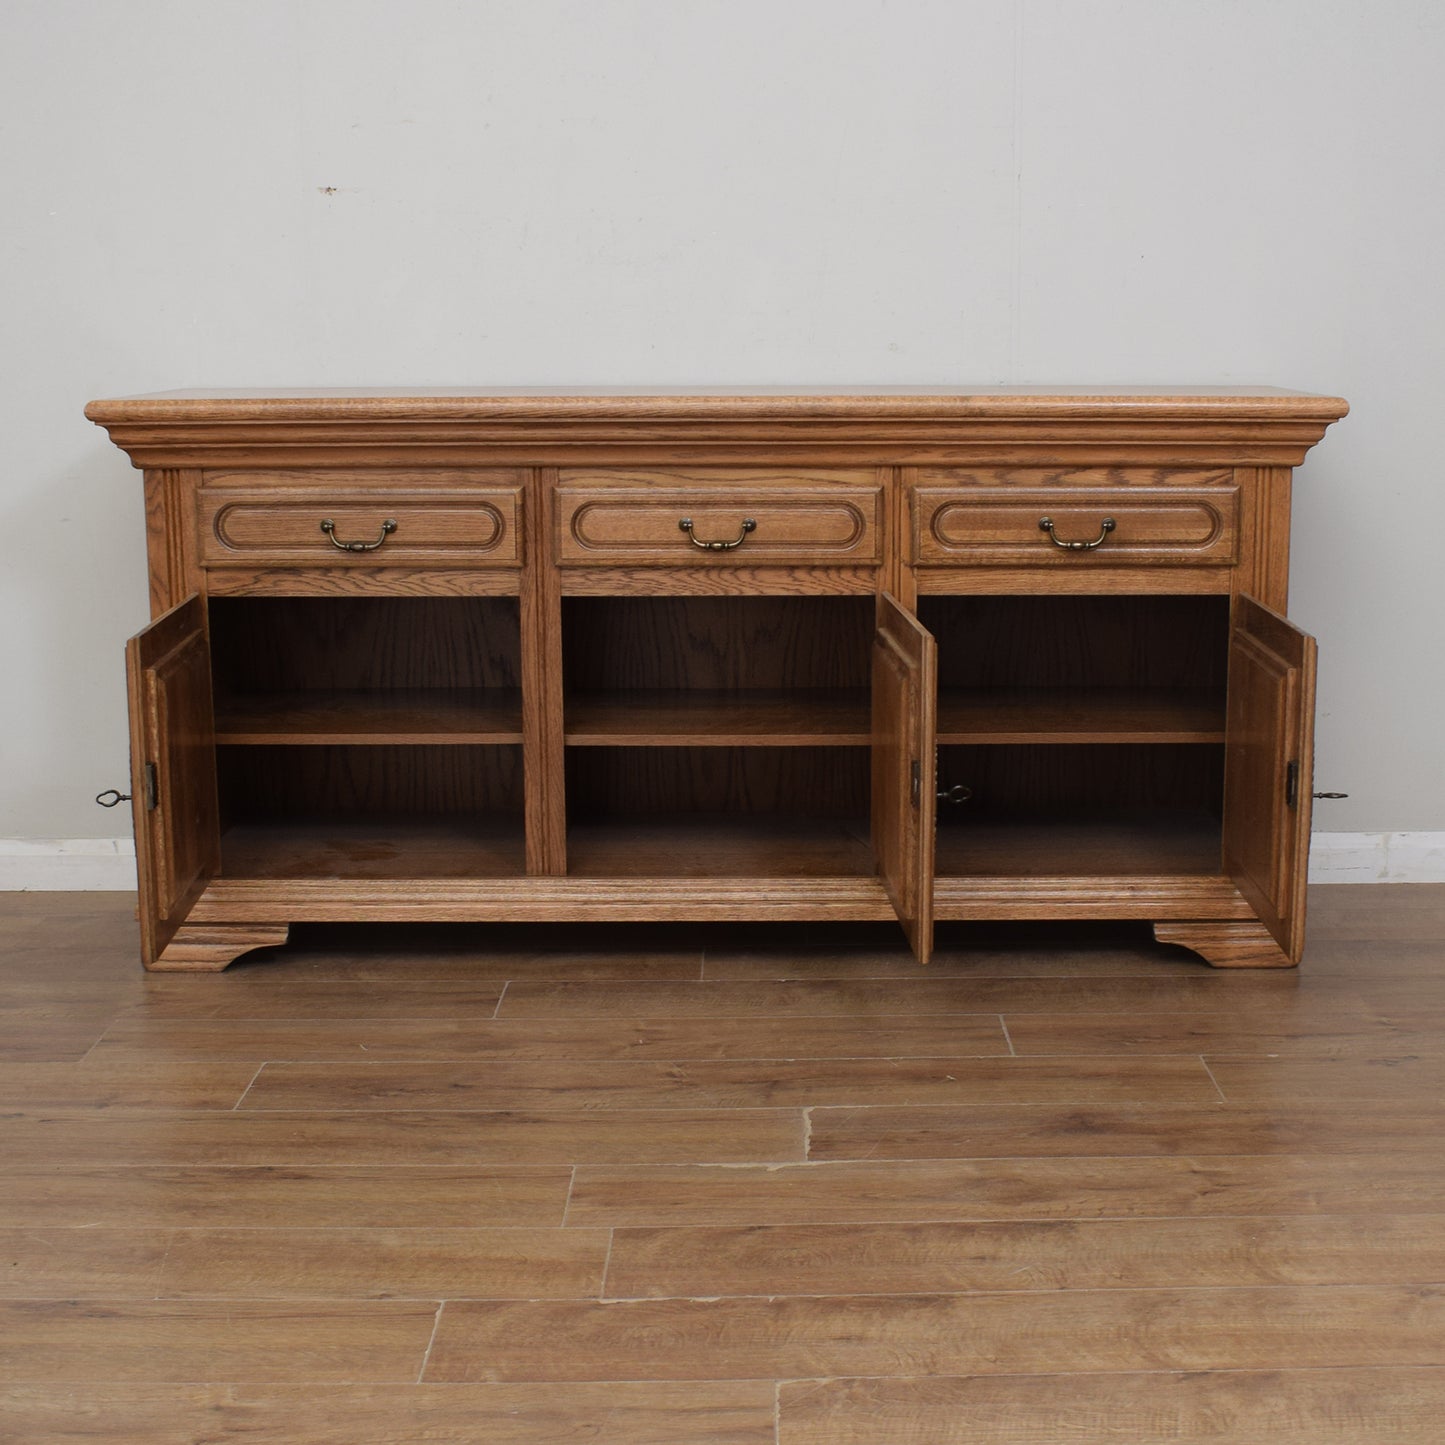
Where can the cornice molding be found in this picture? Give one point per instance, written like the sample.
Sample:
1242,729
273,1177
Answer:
1251,427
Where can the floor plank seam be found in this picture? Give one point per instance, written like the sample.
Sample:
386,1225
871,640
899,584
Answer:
606,1264
236,1106
1007,1037
431,1340
1223,1099
161,1268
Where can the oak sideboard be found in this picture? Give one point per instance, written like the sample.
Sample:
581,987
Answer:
526,655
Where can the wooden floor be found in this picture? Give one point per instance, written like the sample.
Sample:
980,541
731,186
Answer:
510,1186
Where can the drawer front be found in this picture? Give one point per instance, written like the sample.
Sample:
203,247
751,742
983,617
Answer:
734,518
414,521
1078,519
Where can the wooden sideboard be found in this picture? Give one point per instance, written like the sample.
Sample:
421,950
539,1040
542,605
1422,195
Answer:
912,653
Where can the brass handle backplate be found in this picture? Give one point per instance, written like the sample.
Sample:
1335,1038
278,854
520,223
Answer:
387,528
686,525
1046,524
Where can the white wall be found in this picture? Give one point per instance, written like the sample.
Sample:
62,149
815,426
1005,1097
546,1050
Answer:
250,192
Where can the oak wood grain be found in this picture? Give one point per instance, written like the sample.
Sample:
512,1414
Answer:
1386,1406
850,1259
439,518
40,1262
48,1034
1248,1265
650,1413
1404,1078
218,1138
295,1263
253,994
130,1083
436,716
570,1040
718,718
1017,1188
180,1339
1194,992
632,517
1076,1330
703,1083
1350,1032
1285,1127
238,1196
946,425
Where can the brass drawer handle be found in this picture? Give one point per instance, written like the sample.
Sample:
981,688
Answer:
1046,524
686,525
387,528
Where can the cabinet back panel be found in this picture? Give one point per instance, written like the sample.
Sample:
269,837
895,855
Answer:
716,642
1073,641
267,783
296,644
1088,780
798,782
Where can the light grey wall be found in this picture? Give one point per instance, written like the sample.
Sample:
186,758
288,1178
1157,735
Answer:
248,192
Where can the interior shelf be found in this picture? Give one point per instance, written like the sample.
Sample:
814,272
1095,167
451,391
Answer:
377,715
700,846
1080,715
1147,842
710,717
376,848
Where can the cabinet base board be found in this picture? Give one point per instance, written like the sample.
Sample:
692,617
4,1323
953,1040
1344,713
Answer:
1203,902
1241,944
543,900
208,948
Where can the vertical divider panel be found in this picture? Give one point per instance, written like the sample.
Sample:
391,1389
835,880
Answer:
543,753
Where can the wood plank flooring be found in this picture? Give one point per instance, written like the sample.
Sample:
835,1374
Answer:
524,1186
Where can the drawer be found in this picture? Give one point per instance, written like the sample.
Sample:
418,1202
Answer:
734,518
1075,519
436,520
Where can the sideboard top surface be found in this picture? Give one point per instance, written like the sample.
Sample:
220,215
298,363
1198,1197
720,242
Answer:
448,401
888,425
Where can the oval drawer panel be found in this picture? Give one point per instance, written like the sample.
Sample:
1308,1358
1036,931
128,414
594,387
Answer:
344,523
1079,527
677,519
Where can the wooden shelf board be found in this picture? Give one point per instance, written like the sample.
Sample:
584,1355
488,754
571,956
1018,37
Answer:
813,717
1082,715
542,899
382,849
1156,844
760,846
384,716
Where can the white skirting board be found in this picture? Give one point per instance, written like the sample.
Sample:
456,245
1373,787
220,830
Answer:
108,864
72,865
1377,858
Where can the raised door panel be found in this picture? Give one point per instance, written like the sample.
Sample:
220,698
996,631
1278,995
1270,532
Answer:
904,805
173,770
1269,740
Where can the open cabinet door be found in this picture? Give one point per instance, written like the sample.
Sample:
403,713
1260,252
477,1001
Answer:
1268,768
173,770
905,699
